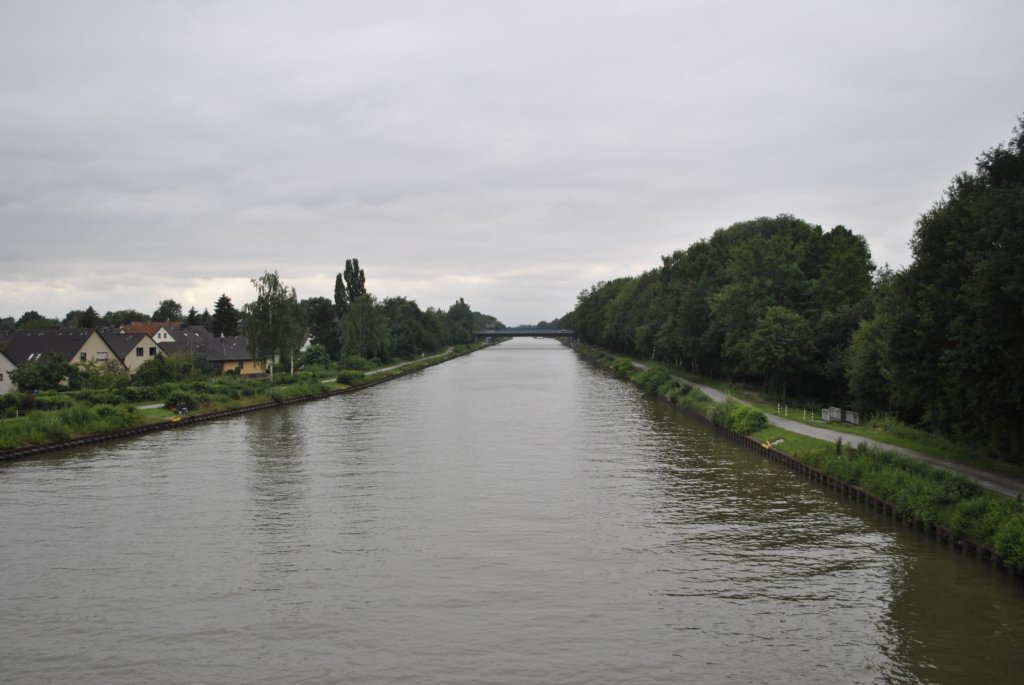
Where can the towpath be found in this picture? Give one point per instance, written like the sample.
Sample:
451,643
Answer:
1011,487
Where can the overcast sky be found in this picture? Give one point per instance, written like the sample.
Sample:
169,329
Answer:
511,153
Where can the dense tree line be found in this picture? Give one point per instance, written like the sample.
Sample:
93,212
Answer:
773,300
353,323
945,347
799,309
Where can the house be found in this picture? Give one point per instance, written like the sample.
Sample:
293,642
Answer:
160,331
231,353
131,349
226,354
73,345
6,366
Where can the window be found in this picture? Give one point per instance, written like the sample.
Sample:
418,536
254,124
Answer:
101,356
1,378
138,351
81,356
152,352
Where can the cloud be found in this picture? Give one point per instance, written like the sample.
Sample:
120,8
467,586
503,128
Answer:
506,153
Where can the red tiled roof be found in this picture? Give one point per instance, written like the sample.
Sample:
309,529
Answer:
149,327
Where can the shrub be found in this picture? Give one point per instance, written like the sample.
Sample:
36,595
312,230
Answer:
51,400
652,379
181,398
739,418
354,361
1008,541
623,367
978,518
350,377
744,419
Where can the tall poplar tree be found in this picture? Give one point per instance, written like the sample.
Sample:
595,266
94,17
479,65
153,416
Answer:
355,280
341,301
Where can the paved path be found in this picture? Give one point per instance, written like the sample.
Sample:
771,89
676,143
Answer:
1011,487
411,361
395,366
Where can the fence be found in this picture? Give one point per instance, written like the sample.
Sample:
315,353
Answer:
836,414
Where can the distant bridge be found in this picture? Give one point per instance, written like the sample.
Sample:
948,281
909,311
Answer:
524,333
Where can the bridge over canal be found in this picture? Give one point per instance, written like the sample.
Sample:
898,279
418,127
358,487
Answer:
523,333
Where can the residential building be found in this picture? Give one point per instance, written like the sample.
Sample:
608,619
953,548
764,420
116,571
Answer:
6,366
73,345
131,349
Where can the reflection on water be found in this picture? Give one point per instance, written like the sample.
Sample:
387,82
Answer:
513,516
278,483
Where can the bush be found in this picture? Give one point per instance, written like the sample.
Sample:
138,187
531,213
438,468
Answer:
744,419
354,361
739,418
1008,541
653,379
180,398
50,400
978,518
350,377
316,355
623,367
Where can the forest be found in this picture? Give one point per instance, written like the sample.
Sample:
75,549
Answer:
803,311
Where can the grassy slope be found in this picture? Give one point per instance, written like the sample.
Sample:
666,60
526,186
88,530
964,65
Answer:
886,430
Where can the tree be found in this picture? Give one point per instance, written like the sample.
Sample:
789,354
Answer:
72,317
46,373
322,319
176,367
778,346
123,316
273,321
355,280
89,319
316,355
341,300
460,322
193,316
225,317
411,332
364,330
169,310
33,319
957,322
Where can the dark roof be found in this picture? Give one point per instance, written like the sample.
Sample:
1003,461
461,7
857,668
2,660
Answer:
120,342
229,349
28,344
233,348
187,332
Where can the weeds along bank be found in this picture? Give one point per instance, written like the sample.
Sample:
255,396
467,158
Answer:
991,523
52,419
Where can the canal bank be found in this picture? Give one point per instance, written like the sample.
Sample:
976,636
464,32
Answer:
940,502
189,419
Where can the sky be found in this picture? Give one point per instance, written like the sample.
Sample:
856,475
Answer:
511,153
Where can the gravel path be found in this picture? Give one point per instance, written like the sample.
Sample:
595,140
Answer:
1011,487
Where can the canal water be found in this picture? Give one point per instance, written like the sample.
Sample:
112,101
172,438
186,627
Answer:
514,516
